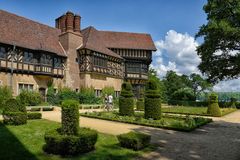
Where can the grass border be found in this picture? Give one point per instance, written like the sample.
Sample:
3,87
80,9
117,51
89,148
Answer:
199,114
208,120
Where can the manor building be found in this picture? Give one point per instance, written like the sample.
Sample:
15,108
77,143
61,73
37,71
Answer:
33,54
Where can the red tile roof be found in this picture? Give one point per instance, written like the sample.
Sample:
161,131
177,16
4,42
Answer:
22,32
127,40
101,41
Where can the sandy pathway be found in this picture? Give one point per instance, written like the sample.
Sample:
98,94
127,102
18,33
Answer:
219,140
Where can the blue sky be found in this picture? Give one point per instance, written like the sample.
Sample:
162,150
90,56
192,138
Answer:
172,24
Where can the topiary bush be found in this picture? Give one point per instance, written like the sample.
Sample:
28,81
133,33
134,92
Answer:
134,140
152,102
70,117
126,100
213,108
70,139
30,98
34,115
14,113
140,104
58,143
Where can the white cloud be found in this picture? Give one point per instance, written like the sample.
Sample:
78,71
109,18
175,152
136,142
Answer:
228,86
176,52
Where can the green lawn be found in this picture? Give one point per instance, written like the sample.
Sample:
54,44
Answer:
25,143
194,110
174,122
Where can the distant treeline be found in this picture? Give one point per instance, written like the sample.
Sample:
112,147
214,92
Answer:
222,96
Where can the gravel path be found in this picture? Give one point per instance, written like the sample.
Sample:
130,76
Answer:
219,140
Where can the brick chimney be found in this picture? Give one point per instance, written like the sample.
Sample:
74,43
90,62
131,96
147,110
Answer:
69,23
77,23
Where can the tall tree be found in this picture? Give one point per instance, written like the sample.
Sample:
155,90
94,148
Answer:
220,50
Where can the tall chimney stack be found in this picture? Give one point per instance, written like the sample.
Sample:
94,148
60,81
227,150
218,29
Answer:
77,25
70,19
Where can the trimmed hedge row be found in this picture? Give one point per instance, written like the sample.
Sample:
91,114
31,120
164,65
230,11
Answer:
58,143
34,115
134,140
188,103
14,118
14,112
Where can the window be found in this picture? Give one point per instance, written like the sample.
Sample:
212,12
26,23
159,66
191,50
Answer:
77,90
22,86
117,94
133,67
99,61
3,52
144,68
57,62
98,93
76,60
46,59
28,57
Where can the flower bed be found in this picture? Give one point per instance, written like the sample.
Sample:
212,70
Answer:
174,122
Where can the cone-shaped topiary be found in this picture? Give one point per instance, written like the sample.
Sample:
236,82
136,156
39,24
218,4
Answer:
213,108
140,101
152,102
126,101
70,117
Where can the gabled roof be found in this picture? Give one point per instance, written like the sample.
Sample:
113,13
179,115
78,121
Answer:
94,41
102,41
127,40
22,32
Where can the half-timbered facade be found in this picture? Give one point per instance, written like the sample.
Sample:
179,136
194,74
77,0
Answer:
33,54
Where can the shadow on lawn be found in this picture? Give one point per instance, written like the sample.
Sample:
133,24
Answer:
11,148
214,141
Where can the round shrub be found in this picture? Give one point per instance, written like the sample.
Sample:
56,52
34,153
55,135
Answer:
126,101
70,117
152,102
58,143
213,108
140,104
30,98
5,94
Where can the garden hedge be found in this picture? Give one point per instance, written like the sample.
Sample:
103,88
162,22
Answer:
58,143
140,104
14,118
30,98
14,112
213,107
126,100
70,117
34,115
134,140
152,102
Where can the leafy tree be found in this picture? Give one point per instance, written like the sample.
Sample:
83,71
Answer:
220,50
184,94
152,75
199,85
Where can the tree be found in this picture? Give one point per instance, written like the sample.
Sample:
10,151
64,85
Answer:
152,75
220,50
199,84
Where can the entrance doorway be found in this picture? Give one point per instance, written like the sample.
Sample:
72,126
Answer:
42,91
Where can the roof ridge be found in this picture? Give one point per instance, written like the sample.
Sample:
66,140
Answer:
34,21
124,32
